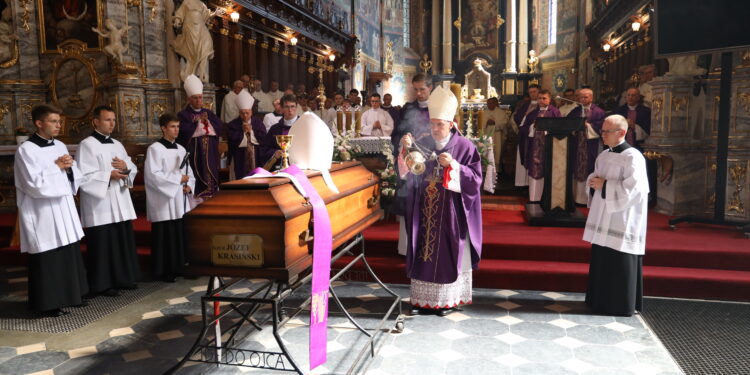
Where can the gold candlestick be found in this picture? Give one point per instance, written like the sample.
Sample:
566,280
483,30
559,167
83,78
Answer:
480,123
284,141
357,123
348,120
340,121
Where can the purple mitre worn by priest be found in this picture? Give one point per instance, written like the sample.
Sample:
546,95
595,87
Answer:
443,214
199,134
244,144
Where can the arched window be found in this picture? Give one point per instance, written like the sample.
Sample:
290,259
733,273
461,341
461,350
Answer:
552,23
407,41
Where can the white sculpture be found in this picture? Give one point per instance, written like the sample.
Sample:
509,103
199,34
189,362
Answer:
478,78
116,47
684,66
7,36
194,44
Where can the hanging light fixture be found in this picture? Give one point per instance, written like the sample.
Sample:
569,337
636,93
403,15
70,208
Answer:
234,16
332,57
636,25
293,40
606,46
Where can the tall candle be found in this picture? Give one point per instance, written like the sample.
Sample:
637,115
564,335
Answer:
456,90
480,123
357,122
340,122
348,121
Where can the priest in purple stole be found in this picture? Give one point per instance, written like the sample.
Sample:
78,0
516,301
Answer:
244,135
199,134
443,213
415,120
638,116
534,158
588,143
521,178
269,149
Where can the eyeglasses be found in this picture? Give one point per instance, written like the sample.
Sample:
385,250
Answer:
611,131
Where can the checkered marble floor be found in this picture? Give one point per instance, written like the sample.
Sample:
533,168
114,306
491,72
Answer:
502,332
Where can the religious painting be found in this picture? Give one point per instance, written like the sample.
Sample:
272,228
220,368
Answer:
61,20
480,24
8,37
368,27
341,13
358,77
73,82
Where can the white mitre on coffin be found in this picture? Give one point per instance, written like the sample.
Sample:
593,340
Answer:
193,85
312,146
442,104
245,100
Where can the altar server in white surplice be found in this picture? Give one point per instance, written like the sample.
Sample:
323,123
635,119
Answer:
616,225
46,179
169,180
376,121
107,211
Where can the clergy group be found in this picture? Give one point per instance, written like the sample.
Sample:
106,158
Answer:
438,199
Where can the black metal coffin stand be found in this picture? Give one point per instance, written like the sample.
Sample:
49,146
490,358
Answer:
557,208
273,293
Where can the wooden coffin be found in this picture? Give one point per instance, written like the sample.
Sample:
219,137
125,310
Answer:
262,228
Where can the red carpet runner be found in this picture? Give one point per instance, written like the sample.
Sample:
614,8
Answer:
694,261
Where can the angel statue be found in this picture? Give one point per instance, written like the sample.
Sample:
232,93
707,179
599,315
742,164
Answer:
532,61
7,37
115,47
194,44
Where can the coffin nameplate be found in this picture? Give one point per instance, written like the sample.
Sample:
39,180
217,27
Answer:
237,250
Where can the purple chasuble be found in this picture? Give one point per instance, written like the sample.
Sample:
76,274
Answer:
204,150
439,220
235,133
414,120
586,150
534,158
522,119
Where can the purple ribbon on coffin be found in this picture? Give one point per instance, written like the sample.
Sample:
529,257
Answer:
321,269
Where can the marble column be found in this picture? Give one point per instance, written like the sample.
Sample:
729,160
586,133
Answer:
510,36
523,35
678,135
447,38
435,35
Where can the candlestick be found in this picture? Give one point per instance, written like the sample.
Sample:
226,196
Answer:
340,122
348,121
480,123
357,123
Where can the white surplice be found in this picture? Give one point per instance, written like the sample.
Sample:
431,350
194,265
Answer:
369,118
162,174
103,200
47,212
618,221
229,109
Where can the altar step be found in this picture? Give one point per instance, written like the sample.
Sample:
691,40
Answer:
681,282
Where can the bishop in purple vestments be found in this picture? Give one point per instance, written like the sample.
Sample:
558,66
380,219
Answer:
199,134
243,136
443,213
